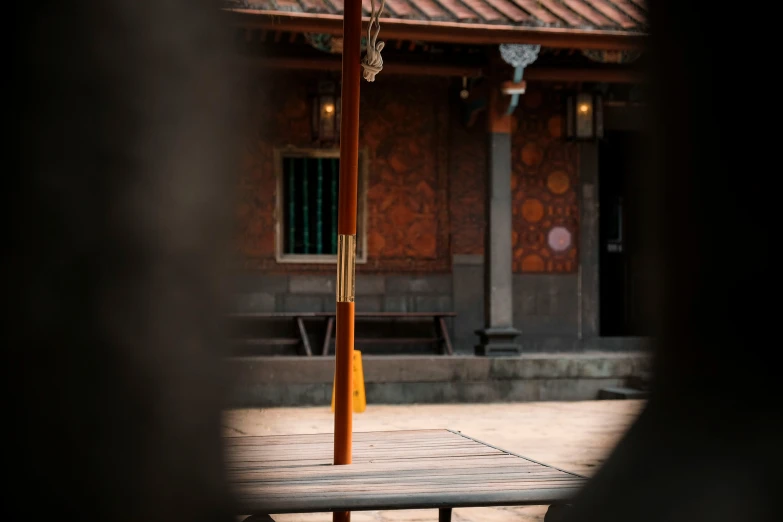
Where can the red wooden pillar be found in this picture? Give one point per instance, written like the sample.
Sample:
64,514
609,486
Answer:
346,230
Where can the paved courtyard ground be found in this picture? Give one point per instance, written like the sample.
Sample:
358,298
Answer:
575,436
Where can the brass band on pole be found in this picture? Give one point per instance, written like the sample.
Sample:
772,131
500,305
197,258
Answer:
346,268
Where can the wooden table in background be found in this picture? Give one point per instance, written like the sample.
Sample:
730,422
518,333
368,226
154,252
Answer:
426,469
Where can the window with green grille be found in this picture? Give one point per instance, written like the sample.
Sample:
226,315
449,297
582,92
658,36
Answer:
307,204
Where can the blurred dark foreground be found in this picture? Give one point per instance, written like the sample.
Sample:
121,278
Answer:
118,216
119,223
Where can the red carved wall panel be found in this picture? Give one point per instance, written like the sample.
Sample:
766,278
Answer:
468,168
544,187
404,126
427,175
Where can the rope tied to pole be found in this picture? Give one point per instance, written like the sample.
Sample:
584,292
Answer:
372,62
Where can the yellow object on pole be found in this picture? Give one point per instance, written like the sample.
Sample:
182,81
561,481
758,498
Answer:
359,397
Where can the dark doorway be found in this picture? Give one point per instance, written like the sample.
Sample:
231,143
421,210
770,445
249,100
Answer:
620,235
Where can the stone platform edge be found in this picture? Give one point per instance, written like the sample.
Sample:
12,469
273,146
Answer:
300,381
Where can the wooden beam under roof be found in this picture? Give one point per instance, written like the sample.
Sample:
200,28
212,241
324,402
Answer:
330,64
532,74
583,74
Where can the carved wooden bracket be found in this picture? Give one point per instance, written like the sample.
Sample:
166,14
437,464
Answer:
505,98
510,88
511,91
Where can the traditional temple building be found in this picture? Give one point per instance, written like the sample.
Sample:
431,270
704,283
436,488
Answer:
489,141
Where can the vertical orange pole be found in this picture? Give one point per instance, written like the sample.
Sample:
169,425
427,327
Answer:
346,230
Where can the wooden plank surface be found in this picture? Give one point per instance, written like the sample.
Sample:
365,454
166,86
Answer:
380,315
420,469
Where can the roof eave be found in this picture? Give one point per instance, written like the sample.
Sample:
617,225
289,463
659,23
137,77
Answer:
445,32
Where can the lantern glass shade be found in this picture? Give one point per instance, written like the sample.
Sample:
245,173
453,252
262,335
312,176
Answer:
326,111
584,117
327,107
585,114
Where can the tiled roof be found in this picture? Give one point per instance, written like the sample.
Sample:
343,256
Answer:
607,15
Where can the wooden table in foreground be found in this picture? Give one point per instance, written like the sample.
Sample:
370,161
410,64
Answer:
427,469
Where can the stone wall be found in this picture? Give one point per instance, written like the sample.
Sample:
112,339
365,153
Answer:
316,293
374,293
545,307
546,311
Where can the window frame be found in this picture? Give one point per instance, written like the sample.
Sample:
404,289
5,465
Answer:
361,223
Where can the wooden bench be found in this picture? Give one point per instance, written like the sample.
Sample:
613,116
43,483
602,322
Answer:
301,339
440,335
427,469
441,332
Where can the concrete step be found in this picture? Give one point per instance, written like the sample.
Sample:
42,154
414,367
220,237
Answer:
621,393
307,381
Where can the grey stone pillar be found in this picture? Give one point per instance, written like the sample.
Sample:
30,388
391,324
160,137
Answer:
589,242
498,335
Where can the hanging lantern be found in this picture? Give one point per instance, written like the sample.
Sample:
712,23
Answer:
326,112
585,116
